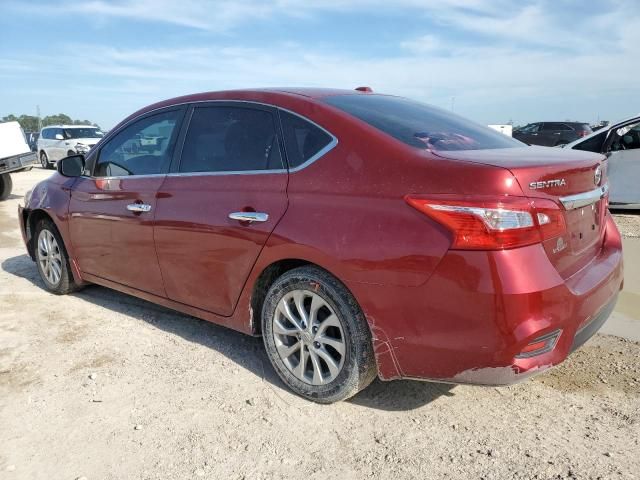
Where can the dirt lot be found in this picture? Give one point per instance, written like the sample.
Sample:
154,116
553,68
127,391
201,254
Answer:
104,386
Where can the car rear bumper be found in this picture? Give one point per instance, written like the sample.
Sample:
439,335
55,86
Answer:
472,320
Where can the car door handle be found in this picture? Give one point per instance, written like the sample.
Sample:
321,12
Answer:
249,216
139,207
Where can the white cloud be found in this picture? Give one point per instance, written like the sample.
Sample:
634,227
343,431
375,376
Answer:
517,70
222,15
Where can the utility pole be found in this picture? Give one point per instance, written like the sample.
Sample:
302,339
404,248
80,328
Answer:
38,115
453,102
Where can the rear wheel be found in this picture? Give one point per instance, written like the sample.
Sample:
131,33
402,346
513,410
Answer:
6,185
52,259
44,161
316,336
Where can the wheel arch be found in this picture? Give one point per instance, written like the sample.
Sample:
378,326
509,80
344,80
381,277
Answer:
30,220
268,276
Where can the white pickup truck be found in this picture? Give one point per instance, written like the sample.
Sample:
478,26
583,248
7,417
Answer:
15,155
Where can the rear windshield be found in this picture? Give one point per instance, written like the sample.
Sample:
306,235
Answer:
420,125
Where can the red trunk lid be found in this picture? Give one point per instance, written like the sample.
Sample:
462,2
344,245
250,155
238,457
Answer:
566,177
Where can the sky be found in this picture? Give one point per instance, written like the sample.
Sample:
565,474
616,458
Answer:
489,60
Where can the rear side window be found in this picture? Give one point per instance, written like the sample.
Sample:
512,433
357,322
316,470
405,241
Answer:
556,127
420,125
303,140
230,139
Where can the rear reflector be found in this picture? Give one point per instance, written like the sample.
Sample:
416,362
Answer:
540,345
494,223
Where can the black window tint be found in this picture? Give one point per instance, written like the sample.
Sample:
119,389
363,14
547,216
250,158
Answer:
625,138
593,144
302,139
421,125
549,127
226,139
142,148
531,128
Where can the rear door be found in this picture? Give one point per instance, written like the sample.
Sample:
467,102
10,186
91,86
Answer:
623,150
549,134
220,203
111,212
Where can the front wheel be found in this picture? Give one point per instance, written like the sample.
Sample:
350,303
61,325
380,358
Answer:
316,336
6,185
44,161
52,259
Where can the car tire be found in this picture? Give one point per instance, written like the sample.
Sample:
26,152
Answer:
44,160
52,259
6,185
308,315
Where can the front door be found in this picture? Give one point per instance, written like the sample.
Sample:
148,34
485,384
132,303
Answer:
219,205
624,164
111,212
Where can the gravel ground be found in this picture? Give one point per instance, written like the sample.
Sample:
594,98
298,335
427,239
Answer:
105,386
628,223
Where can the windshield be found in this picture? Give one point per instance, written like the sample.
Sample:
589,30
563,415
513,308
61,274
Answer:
420,125
82,133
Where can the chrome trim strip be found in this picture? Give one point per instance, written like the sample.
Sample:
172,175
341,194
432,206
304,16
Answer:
318,155
123,177
230,172
579,200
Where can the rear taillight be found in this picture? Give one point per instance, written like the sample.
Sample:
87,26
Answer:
495,223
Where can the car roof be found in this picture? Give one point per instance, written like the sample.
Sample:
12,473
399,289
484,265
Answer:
273,96
69,126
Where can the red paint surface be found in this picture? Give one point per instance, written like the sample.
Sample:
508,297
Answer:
433,312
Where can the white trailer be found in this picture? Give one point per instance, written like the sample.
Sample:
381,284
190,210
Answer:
15,155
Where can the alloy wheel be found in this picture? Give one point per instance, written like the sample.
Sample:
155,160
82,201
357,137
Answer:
309,337
49,257
43,160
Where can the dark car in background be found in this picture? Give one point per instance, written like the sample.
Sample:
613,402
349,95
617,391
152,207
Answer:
552,134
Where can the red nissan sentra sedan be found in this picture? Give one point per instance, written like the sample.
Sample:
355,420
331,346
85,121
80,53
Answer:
359,234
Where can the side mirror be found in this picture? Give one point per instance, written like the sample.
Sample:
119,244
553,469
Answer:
72,166
59,136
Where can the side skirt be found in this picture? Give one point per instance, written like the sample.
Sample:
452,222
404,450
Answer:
165,302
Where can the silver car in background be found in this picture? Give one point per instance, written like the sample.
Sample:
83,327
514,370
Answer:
621,144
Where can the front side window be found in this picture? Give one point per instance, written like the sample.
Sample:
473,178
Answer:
70,133
531,128
230,139
303,140
626,138
420,125
142,148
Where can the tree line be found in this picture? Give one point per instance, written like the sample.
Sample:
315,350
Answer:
29,123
